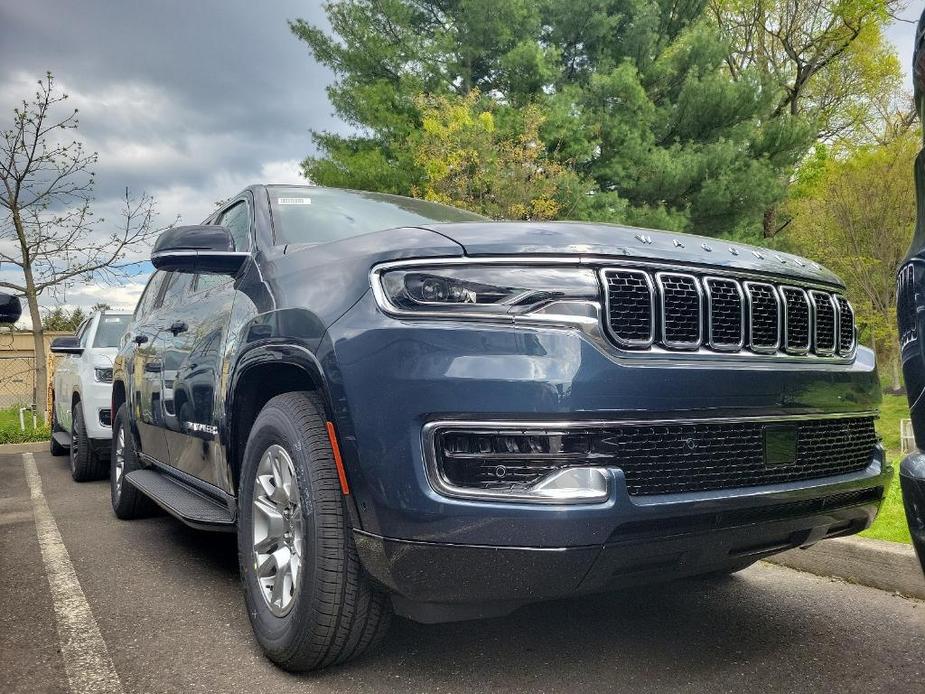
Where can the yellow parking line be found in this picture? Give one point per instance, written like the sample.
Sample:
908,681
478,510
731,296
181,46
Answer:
86,659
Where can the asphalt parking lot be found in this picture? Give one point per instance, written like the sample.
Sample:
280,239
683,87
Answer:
166,615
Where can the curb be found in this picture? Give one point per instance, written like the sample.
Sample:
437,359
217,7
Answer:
32,447
889,566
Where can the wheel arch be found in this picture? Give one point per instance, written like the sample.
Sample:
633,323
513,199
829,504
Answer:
263,373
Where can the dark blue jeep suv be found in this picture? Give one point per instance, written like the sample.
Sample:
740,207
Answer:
400,406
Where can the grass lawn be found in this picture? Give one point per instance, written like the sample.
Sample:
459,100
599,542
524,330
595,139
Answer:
891,523
11,433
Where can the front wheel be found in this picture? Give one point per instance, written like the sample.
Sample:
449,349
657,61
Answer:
309,601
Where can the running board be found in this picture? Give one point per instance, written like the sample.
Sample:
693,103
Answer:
182,501
62,438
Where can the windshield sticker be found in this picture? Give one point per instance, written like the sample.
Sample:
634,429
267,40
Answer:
293,201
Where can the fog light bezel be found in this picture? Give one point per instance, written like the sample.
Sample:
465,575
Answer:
577,484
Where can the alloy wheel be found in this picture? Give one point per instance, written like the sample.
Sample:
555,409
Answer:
277,530
119,454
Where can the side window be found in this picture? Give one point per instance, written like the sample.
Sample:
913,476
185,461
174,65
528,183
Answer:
237,219
177,287
149,295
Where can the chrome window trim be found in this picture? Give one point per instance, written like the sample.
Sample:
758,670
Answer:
724,347
629,344
679,344
762,349
812,300
442,486
854,330
809,320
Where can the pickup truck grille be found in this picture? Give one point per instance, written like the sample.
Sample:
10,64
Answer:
661,457
676,311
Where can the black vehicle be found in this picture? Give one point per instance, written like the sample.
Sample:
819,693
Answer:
910,308
403,406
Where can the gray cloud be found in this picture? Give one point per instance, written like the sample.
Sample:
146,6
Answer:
188,101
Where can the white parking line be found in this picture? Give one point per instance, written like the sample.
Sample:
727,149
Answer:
86,659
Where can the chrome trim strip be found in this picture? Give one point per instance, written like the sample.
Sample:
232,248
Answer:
444,487
786,318
679,344
812,301
761,349
724,346
633,344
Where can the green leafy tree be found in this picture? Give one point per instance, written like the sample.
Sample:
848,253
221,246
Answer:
469,160
59,319
827,61
635,98
854,213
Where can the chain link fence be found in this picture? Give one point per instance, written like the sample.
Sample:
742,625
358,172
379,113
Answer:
17,381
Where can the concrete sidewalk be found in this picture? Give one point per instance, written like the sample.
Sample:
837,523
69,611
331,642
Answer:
890,566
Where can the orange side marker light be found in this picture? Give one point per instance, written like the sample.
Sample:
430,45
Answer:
338,461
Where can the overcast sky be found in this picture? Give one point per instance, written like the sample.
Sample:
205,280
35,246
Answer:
189,101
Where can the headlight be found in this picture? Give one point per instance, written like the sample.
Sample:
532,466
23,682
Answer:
103,375
496,292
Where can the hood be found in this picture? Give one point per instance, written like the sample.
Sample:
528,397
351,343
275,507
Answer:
590,239
104,356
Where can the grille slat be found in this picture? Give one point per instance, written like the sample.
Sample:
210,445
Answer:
764,317
824,322
630,307
725,314
682,457
681,322
845,325
796,320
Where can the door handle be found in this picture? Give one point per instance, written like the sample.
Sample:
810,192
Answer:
140,339
178,327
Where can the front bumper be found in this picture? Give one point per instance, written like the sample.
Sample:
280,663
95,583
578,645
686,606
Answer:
912,480
435,582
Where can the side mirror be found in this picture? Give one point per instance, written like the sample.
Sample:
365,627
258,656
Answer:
66,345
10,308
200,248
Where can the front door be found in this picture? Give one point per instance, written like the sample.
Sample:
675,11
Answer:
197,331
196,335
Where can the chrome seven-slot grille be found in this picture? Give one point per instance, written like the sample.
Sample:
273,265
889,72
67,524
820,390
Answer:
683,311
662,458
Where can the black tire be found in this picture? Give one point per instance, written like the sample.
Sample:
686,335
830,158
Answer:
335,614
127,501
54,447
85,464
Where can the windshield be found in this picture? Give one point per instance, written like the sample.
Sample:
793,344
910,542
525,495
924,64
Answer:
315,215
110,330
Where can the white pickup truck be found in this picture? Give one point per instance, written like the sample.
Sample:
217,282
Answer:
82,393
